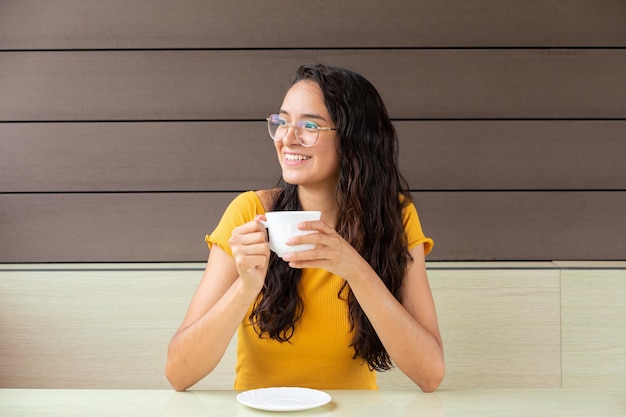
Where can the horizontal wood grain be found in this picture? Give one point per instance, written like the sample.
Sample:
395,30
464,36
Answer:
95,329
594,319
249,84
166,227
66,24
491,322
200,156
109,328
225,156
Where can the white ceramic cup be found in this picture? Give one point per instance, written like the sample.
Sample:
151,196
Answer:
284,224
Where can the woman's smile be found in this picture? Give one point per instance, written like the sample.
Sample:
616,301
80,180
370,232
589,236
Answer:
294,158
308,166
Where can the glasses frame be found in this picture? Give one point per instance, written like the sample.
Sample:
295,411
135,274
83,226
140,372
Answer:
296,128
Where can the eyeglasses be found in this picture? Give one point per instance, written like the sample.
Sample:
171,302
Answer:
307,131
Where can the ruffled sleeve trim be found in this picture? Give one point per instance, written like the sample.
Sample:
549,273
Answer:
413,229
241,210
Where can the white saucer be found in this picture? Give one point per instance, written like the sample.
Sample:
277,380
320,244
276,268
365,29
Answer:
283,399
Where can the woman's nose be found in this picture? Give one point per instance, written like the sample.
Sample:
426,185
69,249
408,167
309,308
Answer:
291,137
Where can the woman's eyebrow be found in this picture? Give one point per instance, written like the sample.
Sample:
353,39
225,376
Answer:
306,115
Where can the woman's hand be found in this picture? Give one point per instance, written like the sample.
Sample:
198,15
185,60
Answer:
251,252
408,329
332,252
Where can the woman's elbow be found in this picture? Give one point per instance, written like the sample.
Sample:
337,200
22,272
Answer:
434,379
174,378
177,386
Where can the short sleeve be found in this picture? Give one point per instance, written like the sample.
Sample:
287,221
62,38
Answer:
241,210
413,229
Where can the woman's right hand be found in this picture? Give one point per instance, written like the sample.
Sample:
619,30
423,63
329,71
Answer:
251,252
229,285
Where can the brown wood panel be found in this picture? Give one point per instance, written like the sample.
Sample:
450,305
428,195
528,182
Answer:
161,227
513,155
108,227
244,84
202,156
65,24
525,225
223,156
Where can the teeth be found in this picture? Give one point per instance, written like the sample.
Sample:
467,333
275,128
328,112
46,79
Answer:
292,157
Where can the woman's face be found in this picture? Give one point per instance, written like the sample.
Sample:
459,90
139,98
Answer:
317,165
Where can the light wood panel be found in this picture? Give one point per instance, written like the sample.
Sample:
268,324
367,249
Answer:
163,227
68,24
491,321
594,330
223,156
98,326
94,329
223,85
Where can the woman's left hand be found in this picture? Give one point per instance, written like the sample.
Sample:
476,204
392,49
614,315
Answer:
331,253
408,329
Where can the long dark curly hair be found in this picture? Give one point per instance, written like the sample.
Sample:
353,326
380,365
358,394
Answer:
371,194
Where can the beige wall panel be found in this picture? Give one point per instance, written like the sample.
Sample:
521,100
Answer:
248,84
594,330
108,326
64,24
222,156
166,227
500,328
94,328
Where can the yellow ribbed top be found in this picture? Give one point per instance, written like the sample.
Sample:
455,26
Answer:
319,353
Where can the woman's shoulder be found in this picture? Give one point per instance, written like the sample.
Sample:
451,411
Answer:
245,205
267,198
258,201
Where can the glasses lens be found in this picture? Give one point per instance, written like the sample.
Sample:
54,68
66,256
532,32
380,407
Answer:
307,132
277,126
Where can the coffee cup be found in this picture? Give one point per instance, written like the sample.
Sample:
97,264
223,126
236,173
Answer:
282,225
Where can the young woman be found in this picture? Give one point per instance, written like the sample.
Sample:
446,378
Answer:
360,301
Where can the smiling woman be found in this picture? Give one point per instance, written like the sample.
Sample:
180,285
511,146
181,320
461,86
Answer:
307,155
359,301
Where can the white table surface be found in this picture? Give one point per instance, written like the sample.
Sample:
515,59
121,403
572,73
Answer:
448,403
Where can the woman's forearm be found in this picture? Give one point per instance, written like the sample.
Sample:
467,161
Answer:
195,350
413,348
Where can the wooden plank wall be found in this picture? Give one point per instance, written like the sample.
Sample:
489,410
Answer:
96,326
504,324
126,126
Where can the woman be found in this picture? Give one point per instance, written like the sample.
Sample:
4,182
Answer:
360,301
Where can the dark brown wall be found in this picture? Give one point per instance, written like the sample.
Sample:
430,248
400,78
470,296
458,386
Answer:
127,126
